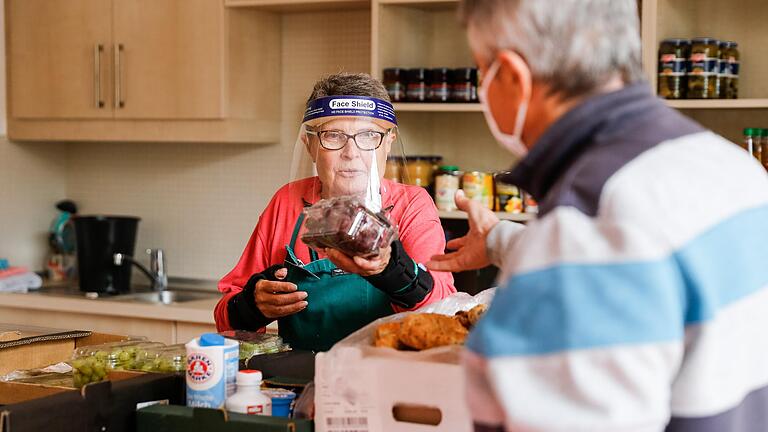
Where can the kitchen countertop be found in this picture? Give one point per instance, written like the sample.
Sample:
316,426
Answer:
196,311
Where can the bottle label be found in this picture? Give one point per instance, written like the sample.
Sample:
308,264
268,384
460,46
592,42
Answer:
672,66
703,66
396,91
733,67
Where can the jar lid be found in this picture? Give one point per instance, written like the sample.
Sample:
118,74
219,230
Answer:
465,74
706,41
449,168
396,72
423,157
417,74
440,74
753,132
676,41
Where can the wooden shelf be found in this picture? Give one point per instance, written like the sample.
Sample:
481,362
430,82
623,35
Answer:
515,217
299,5
437,107
422,4
719,104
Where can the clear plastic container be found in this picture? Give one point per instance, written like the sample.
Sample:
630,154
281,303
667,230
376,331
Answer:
91,363
346,224
164,359
254,343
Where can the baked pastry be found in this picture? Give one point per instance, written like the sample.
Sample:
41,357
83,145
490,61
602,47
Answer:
429,330
387,335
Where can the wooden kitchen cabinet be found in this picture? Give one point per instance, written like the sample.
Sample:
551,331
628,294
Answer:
170,58
56,58
142,70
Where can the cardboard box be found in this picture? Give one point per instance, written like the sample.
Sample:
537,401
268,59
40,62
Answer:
186,419
35,347
381,390
107,405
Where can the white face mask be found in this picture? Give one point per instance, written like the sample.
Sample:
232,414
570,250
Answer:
514,142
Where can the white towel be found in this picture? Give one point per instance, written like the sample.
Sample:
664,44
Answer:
21,283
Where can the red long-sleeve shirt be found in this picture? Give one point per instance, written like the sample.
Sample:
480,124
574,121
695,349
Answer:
412,210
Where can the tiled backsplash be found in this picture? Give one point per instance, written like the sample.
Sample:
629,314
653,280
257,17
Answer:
32,179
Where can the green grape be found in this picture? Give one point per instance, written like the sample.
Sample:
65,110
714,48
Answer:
78,363
99,369
86,370
102,355
124,356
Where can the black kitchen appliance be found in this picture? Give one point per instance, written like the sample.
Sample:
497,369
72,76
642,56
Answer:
99,238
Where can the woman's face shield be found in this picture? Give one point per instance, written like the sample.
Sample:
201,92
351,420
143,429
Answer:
348,151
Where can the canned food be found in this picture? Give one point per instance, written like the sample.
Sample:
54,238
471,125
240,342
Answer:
509,198
478,186
447,183
531,206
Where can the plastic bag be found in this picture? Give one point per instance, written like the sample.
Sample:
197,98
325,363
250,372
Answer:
254,343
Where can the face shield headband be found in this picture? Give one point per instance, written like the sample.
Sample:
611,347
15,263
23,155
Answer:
350,106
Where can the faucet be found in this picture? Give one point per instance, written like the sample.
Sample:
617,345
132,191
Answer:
156,272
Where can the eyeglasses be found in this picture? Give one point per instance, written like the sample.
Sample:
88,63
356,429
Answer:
336,140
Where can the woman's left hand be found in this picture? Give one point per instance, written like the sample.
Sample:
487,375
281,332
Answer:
358,265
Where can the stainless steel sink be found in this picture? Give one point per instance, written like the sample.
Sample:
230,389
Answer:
165,297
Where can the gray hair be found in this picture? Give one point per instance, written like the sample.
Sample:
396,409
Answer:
349,84
573,46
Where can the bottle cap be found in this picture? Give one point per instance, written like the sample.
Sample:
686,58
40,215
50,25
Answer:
211,339
249,377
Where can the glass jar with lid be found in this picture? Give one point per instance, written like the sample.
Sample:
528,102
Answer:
703,68
439,85
752,142
764,148
418,85
447,183
464,86
418,171
394,169
673,59
732,84
395,82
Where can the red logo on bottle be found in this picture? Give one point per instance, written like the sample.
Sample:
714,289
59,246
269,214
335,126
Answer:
199,367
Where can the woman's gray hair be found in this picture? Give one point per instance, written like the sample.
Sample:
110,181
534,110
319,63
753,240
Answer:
573,46
349,84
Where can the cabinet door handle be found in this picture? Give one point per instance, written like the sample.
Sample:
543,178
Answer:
97,49
119,102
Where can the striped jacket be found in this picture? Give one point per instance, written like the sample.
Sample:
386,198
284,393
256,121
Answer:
638,300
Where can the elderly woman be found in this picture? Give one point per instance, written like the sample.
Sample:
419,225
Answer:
270,281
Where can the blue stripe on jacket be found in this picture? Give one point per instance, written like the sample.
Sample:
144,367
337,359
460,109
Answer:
580,306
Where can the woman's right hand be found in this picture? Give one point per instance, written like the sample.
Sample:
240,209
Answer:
277,299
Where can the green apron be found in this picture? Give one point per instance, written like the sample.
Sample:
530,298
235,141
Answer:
339,303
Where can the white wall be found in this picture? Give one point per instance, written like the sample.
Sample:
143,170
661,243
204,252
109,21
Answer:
32,179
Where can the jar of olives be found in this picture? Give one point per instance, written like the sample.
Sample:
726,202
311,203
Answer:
732,81
673,58
703,68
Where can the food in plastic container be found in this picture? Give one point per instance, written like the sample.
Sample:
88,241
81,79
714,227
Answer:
91,363
164,359
346,224
282,400
254,343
